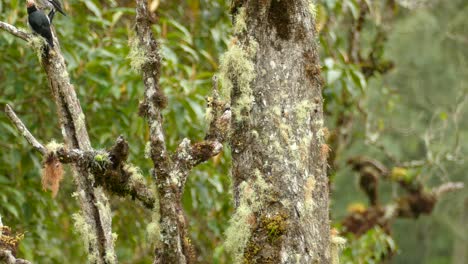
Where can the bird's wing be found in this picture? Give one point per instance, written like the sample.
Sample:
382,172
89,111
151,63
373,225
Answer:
57,6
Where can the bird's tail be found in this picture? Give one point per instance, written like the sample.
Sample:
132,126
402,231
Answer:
50,41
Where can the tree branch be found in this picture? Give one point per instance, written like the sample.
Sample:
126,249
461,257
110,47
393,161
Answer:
7,257
15,31
109,168
24,131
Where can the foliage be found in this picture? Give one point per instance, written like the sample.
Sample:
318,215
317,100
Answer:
373,247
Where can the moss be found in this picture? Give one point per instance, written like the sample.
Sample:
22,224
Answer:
101,160
137,55
253,196
276,226
87,235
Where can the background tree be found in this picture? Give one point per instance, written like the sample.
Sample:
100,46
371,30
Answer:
414,112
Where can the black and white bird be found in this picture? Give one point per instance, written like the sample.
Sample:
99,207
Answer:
52,5
39,22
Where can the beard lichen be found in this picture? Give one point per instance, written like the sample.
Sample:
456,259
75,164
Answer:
37,43
237,70
252,198
337,243
87,235
153,229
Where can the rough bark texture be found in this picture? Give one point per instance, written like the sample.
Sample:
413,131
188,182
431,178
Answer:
94,204
278,148
170,170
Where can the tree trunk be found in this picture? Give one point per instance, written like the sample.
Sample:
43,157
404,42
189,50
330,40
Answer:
271,73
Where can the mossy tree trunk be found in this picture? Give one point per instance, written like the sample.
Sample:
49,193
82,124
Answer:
271,73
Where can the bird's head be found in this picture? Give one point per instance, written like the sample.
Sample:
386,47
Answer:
30,3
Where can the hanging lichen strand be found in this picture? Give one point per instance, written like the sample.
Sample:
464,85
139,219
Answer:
271,75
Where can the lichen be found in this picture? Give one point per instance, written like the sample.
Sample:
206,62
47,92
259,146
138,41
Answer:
238,232
240,25
37,43
303,111
136,177
153,229
252,197
53,146
337,243
236,68
312,9
137,55
87,235
308,192
80,124
148,150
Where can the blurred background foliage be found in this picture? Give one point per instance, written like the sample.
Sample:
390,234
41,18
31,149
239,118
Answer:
411,106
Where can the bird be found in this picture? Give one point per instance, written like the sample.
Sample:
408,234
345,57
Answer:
39,22
53,5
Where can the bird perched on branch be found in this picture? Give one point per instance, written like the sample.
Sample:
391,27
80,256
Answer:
53,6
39,22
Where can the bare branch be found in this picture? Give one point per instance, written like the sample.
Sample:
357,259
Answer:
24,131
15,31
447,187
7,257
112,173
153,98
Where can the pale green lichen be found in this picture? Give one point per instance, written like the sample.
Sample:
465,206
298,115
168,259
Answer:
136,177
37,43
308,198
238,232
87,235
252,198
148,150
336,245
303,110
137,55
153,229
236,66
240,25
80,123
312,9
209,114
53,146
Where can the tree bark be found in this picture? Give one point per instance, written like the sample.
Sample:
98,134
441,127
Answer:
271,73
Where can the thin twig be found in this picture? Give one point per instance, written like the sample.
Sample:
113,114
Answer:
23,130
